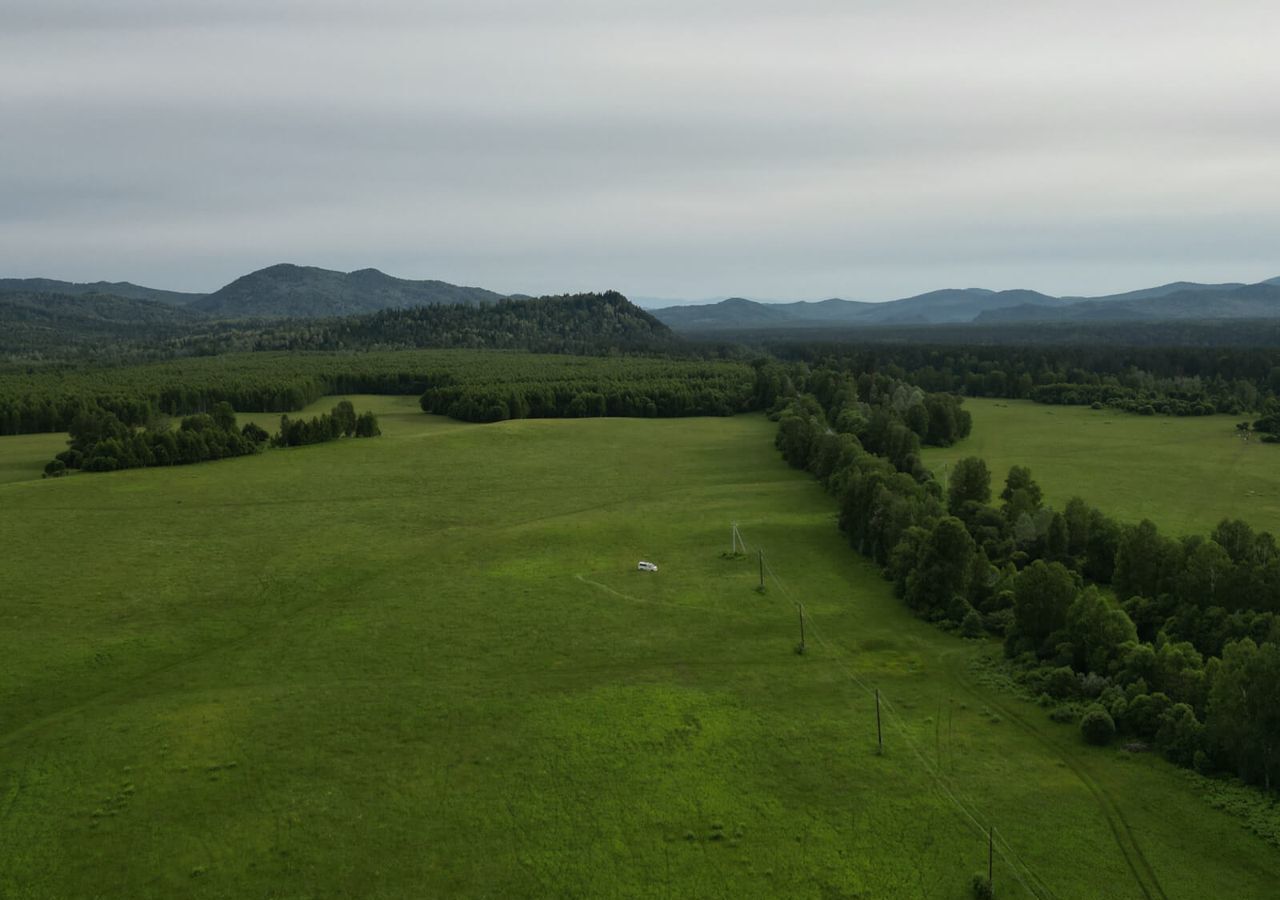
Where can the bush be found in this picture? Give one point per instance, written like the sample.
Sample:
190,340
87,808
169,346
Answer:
1062,683
972,626
1097,727
1093,684
254,433
999,622
1143,714
981,888
1063,715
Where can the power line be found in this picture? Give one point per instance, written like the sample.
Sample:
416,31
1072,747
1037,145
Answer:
997,841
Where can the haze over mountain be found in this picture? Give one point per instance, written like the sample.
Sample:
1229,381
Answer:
1178,300
1250,301
291,291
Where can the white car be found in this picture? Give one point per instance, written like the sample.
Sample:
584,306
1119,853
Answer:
646,566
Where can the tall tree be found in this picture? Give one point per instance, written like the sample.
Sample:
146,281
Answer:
970,482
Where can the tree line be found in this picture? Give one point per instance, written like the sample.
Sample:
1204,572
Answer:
477,385
341,421
100,442
1165,380
1188,660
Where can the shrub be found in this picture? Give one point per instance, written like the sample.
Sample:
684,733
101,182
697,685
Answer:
1097,726
1062,683
1093,684
254,433
1063,714
981,888
1143,714
972,626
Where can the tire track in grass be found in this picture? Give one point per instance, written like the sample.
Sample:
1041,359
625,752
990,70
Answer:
1135,860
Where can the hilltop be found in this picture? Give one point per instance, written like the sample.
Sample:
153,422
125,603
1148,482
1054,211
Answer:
289,291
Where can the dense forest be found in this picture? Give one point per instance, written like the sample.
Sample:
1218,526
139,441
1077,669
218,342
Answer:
42,328
1148,380
1204,333
1187,658
573,323
50,399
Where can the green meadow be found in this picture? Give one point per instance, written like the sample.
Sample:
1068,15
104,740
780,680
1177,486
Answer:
1185,474
425,665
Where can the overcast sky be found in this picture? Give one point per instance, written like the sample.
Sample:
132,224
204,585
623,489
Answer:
670,148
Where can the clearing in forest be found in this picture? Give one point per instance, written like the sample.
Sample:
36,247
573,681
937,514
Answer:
425,665
1184,474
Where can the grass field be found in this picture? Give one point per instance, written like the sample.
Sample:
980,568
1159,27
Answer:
424,665
23,456
1185,474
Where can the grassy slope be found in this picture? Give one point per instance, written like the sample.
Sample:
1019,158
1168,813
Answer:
23,456
1184,474
424,665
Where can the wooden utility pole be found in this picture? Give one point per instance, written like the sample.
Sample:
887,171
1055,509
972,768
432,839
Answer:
800,606
879,733
761,553
991,857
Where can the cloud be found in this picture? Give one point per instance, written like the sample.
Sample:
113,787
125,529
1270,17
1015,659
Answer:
801,150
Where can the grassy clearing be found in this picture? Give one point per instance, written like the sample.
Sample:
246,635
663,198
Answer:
425,665
1185,474
22,457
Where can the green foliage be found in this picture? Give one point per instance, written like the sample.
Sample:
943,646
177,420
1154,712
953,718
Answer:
1097,727
980,887
473,385
1042,594
969,482
104,329
943,568
341,421
972,625
1097,630
100,442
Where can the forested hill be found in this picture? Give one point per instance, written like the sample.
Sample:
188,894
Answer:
571,323
95,288
307,292
45,324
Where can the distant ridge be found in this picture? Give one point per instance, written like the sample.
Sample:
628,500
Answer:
111,288
1249,301
936,307
1178,301
289,291
42,322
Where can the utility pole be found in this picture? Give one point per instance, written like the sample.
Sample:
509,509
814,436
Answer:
800,606
991,856
761,553
879,733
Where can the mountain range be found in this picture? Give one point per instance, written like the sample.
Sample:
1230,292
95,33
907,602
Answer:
289,291
279,291
1180,300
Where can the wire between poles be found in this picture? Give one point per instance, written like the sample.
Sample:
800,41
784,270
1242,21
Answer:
1006,852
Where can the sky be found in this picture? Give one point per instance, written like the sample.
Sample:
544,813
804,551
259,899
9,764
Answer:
665,148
